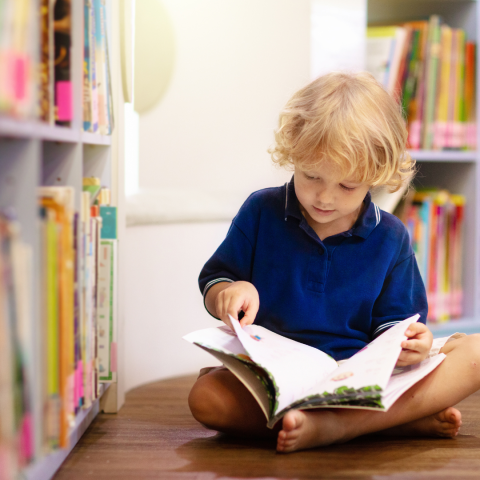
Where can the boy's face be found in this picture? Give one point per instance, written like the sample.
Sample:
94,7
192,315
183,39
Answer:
330,203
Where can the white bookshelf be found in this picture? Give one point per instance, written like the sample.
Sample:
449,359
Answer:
33,154
457,171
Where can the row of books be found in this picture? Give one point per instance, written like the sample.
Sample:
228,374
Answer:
35,63
52,362
431,69
434,219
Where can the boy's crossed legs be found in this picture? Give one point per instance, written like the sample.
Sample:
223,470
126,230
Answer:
221,402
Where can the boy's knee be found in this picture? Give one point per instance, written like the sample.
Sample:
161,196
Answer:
472,344
469,346
204,402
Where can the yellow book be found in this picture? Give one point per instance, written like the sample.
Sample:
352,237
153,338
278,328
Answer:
59,200
444,91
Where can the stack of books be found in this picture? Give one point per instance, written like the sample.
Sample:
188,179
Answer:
430,68
72,336
434,219
35,63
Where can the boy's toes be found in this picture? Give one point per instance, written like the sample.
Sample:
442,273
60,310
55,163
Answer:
292,421
451,417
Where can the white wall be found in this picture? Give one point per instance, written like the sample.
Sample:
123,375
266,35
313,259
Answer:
163,301
237,63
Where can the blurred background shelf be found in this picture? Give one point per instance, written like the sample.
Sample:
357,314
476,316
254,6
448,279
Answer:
443,156
48,465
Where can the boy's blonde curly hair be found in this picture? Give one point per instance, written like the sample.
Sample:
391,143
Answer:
350,120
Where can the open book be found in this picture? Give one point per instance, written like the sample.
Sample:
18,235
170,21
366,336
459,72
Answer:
283,374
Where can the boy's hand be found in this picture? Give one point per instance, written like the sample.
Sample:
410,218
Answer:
236,297
417,346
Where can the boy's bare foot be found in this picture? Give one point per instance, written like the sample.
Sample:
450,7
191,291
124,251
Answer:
442,424
308,429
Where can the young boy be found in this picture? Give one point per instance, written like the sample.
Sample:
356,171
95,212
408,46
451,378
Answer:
318,262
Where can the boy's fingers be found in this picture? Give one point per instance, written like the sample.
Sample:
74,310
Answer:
250,314
415,329
412,345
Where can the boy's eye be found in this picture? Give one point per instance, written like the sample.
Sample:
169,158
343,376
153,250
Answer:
349,189
310,177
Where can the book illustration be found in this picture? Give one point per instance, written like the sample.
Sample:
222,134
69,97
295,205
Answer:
279,374
342,376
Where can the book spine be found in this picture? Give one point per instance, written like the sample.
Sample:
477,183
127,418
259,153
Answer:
431,81
93,71
458,137
442,107
87,87
100,67
63,84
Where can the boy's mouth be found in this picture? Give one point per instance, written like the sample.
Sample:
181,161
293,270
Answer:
323,212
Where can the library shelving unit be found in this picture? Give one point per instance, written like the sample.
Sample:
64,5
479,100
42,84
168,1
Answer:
33,154
457,171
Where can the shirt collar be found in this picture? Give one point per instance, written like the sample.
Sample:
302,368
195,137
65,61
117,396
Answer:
365,224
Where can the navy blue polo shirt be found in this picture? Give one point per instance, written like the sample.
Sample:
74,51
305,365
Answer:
335,295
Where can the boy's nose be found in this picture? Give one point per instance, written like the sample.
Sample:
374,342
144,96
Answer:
324,198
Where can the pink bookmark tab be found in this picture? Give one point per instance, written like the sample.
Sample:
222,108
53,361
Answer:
64,100
113,357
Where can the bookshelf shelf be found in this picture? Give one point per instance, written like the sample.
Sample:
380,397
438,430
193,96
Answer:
16,128
464,325
95,139
46,468
443,156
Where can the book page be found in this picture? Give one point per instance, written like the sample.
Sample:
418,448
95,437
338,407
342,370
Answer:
222,339
404,377
294,367
371,366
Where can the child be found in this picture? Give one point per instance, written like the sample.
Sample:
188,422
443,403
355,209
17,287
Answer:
318,262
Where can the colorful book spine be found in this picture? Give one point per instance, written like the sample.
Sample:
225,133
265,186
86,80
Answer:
435,223
63,81
87,86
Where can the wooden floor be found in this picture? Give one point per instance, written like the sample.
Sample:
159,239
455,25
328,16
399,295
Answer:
154,436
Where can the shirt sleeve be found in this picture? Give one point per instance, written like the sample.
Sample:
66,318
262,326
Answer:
233,259
403,295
